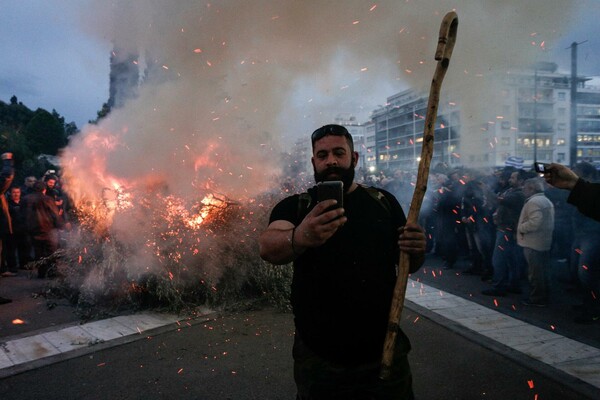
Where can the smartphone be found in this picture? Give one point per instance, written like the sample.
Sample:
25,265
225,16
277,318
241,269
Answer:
539,167
331,190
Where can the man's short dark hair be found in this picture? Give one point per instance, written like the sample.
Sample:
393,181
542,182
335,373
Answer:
332,130
39,186
522,174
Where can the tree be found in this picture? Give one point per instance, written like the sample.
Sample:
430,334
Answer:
71,129
27,134
103,113
45,133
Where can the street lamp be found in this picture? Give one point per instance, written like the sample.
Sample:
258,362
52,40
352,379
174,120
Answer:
535,121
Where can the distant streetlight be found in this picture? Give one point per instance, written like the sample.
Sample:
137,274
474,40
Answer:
535,120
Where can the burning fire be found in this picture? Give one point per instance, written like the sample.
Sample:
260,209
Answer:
164,223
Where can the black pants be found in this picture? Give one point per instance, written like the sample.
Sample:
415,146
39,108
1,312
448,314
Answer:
320,379
17,250
44,248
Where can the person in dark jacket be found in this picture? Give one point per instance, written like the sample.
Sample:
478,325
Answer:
43,222
449,229
17,245
507,259
6,177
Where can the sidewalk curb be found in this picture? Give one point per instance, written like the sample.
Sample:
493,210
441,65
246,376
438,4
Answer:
46,347
520,358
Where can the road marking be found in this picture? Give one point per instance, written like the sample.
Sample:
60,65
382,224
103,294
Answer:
30,352
568,355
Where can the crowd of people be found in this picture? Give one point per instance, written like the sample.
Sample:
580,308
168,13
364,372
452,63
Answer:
477,215
512,226
30,221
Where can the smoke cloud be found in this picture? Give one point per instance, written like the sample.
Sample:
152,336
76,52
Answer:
233,79
230,82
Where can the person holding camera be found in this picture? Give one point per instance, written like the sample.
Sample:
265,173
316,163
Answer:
584,195
344,267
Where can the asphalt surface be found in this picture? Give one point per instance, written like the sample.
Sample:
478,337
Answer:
248,355
31,309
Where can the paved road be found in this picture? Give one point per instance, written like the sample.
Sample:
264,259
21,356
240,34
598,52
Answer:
248,355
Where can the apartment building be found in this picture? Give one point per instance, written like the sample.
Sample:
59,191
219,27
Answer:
527,117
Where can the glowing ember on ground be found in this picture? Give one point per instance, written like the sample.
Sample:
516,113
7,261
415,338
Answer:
18,321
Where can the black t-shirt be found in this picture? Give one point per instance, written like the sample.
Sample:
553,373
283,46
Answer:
342,290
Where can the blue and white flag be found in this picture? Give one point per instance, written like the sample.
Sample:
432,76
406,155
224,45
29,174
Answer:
514,161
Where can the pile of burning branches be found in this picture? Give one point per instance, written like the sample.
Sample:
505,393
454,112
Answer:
162,252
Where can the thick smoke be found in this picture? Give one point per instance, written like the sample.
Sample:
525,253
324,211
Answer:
232,78
230,81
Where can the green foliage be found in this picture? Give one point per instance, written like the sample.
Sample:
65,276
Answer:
28,134
102,113
45,133
171,266
274,282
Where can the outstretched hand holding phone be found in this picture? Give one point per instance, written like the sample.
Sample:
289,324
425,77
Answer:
559,176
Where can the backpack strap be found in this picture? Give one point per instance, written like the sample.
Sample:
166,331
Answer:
379,196
304,202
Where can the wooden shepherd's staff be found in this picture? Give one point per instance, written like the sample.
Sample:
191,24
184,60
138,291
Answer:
445,46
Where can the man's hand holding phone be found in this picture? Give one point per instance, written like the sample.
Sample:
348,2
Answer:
325,218
331,190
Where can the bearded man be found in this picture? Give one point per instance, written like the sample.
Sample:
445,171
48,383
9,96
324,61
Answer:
345,261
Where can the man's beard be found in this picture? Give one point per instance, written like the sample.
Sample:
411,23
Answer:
346,175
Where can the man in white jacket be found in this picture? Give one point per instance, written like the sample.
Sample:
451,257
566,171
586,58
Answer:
534,234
